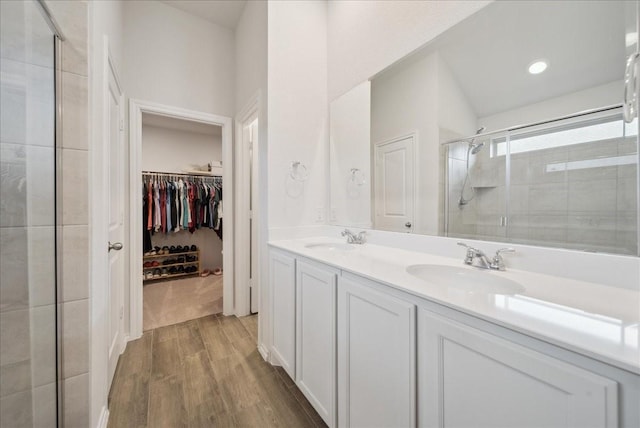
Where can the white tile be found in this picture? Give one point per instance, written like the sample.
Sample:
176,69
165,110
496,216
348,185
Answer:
13,101
72,17
547,198
76,401
44,406
43,345
592,195
75,191
75,111
42,268
28,104
75,267
27,187
15,343
14,273
15,378
626,194
25,35
75,341
15,409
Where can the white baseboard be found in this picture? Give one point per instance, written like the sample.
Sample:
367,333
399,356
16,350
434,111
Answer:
264,352
104,418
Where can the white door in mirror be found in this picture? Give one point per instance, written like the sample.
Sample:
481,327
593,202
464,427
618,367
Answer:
394,185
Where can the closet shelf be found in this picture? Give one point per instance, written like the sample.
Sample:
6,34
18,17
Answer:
170,255
195,262
172,276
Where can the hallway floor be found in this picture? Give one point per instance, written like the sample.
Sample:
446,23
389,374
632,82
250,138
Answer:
174,301
205,372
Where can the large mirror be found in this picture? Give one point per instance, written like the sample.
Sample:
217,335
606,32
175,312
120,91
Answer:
508,127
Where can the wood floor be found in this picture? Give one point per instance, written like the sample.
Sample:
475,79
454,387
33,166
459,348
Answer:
204,373
174,301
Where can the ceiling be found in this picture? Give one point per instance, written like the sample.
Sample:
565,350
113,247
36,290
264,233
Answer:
489,53
221,12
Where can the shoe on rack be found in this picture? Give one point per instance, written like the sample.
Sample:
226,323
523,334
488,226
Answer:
148,275
157,273
180,269
147,264
155,263
172,249
173,270
164,272
194,248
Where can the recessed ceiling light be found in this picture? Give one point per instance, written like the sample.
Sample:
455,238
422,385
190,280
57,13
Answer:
538,66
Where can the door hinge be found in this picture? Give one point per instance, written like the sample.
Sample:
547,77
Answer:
122,124
250,215
121,312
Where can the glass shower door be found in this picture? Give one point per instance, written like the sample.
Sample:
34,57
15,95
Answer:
28,366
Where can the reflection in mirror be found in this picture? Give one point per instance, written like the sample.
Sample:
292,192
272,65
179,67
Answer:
466,138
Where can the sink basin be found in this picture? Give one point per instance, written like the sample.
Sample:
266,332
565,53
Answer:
331,246
466,278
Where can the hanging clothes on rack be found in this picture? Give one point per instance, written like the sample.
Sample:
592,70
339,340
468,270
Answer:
175,202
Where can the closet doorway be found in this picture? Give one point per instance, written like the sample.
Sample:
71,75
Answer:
182,222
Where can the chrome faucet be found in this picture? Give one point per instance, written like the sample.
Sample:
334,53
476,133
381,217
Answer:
359,238
497,263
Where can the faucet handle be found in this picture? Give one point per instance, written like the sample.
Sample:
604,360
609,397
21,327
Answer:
470,253
497,263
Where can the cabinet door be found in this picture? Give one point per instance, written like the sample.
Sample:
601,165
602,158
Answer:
376,358
315,337
471,378
282,273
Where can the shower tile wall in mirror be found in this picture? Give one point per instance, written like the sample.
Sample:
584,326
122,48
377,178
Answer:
467,138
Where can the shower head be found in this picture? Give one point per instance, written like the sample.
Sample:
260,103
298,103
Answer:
475,148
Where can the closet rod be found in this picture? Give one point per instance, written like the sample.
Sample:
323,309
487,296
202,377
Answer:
180,174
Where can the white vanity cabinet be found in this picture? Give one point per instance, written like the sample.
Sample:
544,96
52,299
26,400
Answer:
282,277
376,357
472,378
316,336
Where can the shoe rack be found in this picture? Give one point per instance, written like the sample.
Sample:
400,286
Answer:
170,265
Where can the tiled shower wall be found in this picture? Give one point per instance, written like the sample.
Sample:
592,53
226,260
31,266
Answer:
73,210
591,209
27,360
27,219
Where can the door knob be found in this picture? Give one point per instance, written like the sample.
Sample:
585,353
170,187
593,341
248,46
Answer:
408,225
115,246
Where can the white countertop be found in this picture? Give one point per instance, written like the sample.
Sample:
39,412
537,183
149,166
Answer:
601,322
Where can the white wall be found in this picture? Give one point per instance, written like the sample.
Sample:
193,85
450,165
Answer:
365,36
598,96
251,53
298,131
350,147
178,59
172,150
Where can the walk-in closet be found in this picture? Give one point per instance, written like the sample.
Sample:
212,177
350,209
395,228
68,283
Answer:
182,220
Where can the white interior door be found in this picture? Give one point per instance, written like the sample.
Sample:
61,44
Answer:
115,169
394,187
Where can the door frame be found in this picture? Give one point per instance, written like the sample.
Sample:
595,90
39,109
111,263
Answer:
247,115
136,109
374,180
